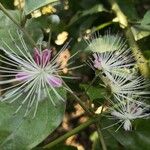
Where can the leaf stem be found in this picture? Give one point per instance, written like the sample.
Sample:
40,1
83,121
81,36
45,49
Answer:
72,132
17,24
90,113
102,141
101,138
141,61
101,26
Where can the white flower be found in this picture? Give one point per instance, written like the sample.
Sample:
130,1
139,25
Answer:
106,43
116,62
124,86
127,111
111,55
34,76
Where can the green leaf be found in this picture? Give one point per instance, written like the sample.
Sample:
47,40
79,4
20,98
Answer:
146,18
110,142
33,5
134,140
34,29
8,4
94,93
128,7
139,33
7,27
5,21
145,23
18,132
95,9
143,29
44,22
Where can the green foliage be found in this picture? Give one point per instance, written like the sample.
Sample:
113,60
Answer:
8,29
80,19
94,10
137,139
145,23
143,29
128,7
32,5
18,132
64,147
94,93
7,25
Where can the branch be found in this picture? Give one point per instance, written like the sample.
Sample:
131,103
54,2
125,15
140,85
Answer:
141,61
70,133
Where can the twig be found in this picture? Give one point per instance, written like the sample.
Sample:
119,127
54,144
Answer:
70,133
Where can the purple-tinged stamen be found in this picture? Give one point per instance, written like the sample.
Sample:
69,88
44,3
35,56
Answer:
54,81
42,59
97,62
22,76
46,56
37,56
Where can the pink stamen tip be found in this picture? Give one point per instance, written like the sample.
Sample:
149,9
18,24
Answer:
54,81
46,56
97,64
97,61
42,58
37,56
22,76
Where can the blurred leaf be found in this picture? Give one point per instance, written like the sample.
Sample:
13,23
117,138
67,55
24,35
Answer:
7,27
145,23
33,5
147,54
94,93
143,29
5,21
33,28
134,140
44,22
146,18
8,4
138,33
63,147
20,133
109,140
57,147
95,9
128,7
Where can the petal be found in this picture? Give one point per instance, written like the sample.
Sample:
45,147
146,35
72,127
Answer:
54,81
46,56
37,56
21,76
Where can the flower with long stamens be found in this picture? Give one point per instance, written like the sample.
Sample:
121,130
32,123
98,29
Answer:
114,62
34,75
110,55
124,86
127,111
106,43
